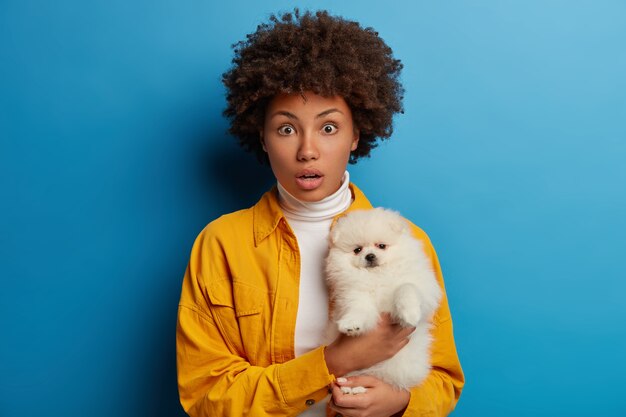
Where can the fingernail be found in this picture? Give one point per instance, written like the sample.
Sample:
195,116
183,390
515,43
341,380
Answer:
342,380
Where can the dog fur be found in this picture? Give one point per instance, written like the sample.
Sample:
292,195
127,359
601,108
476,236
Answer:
375,265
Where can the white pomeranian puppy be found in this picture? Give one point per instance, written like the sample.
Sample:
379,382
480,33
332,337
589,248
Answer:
375,265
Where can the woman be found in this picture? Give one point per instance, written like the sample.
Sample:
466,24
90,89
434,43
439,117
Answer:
308,93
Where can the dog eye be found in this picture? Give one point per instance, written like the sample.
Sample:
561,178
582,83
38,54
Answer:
382,246
357,250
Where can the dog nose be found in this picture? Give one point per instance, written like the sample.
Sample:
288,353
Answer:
370,257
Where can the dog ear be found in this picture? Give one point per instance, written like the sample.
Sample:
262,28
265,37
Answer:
334,234
397,223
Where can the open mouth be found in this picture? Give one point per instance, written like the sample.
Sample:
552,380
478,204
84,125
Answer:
309,179
309,173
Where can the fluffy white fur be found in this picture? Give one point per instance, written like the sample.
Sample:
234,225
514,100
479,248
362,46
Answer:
375,265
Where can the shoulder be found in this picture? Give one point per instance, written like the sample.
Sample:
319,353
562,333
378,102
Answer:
418,232
228,230
229,223
221,241
242,227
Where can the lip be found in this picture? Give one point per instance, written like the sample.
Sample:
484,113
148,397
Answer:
315,180
309,172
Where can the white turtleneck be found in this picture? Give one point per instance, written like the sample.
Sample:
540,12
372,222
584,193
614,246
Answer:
311,222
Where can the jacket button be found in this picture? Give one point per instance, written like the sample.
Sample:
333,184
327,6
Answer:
310,402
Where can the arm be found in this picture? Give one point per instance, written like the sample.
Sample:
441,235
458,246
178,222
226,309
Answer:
351,353
225,363
213,381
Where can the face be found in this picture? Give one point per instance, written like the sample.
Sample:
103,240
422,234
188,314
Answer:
308,139
370,238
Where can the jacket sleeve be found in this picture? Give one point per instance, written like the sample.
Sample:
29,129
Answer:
438,394
215,377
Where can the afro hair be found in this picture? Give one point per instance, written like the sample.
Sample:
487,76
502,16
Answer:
327,55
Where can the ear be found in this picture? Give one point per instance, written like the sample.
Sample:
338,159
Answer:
355,140
262,141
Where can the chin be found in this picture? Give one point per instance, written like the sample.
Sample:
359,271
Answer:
310,196
376,266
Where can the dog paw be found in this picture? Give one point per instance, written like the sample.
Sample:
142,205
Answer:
353,390
359,390
350,327
408,317
357,322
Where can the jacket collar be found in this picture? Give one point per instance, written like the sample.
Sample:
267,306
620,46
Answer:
267,213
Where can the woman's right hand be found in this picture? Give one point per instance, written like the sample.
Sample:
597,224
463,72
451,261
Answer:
351,353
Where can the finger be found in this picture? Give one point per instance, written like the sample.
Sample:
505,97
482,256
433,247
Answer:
342,388
340,411
366,381
336,391
343,403
385,319
403,333
338,402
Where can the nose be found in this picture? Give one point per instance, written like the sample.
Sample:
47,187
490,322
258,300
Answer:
308,148
370,257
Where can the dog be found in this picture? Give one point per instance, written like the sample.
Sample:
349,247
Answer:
375,265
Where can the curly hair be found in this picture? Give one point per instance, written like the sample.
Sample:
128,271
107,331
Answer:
327,55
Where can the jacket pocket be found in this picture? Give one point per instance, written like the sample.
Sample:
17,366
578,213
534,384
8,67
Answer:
237,308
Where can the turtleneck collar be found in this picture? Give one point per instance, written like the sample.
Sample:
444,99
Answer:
316,211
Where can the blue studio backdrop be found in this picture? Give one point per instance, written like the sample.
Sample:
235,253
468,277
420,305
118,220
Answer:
113,156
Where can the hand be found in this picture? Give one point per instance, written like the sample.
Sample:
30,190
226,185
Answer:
380,399
351,353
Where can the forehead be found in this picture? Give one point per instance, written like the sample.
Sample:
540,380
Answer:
307,105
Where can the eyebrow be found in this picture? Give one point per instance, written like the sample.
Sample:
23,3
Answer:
294,117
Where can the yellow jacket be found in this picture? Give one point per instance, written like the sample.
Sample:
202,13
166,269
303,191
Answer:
236,323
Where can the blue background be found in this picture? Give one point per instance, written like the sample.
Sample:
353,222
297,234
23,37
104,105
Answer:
113,157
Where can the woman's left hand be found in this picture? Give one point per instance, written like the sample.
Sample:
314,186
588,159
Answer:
380,399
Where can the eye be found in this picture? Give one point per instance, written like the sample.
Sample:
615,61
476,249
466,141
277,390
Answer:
357,250
382,246
286,130
329,128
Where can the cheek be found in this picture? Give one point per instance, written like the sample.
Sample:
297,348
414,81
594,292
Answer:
277,154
